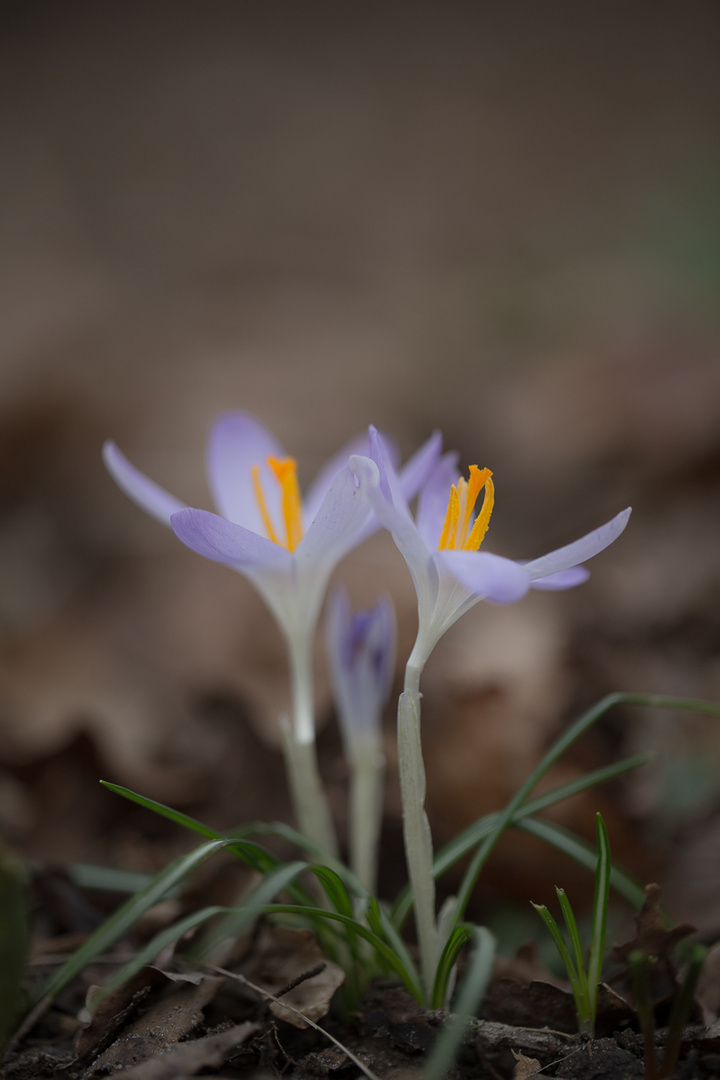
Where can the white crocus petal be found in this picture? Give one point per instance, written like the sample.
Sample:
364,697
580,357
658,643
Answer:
579,551
237,442
148,495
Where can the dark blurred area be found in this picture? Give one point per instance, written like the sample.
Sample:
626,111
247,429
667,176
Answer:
500,219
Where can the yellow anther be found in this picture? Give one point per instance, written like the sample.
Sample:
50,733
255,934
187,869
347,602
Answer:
264,512
457,533
286,472
477,533
452,516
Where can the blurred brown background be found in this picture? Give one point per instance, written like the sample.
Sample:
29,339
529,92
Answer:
500,219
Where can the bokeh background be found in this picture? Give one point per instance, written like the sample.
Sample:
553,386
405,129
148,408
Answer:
499,219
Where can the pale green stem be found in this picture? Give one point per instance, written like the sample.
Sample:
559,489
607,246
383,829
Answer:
416,827
367,775
306,791
310,803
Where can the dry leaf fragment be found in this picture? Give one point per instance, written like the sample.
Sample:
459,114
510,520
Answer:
188,1058
282,955
524,1066
167,1021
652,937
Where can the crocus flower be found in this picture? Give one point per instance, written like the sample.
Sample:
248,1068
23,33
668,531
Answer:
360,648
450,573
287,546
441,545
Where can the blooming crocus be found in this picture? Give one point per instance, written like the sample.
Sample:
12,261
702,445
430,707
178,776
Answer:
450,574
360,647
286,546
441,545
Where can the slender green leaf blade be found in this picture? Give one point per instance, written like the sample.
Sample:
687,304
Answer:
600,910
114,927
573,932
470,837
475,981
582,853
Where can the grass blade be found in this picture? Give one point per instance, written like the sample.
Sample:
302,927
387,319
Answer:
114,927
573,932
600,910
462,844
582,853
560,943
473,987
448,957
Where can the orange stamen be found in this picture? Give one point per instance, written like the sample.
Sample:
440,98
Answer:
286,472
262,504
452,516
477,533
461,505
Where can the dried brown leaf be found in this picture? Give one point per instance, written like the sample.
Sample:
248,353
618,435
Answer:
168,1020
524,1066
189,1058
283,955
652,937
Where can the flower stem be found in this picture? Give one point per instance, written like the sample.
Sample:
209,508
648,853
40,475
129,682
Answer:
309,799
310,803
416,828
366,811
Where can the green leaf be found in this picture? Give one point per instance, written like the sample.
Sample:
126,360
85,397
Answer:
581,725
240,917
582,853
448,958
600,910
560,943
470,837
14,940
573,932
471,991
114,927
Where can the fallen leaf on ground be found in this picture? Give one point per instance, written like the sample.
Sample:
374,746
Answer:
164,1023
189,1058
283,955
524,1066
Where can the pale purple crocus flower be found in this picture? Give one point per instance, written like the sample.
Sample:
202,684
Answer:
360,647
450,574
287,546
440,546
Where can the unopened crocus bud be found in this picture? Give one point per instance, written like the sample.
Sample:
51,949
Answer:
361,656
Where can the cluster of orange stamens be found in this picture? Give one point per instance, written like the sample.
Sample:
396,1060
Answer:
285,471
458,534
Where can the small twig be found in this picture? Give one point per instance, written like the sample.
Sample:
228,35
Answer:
311,1023
310,974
